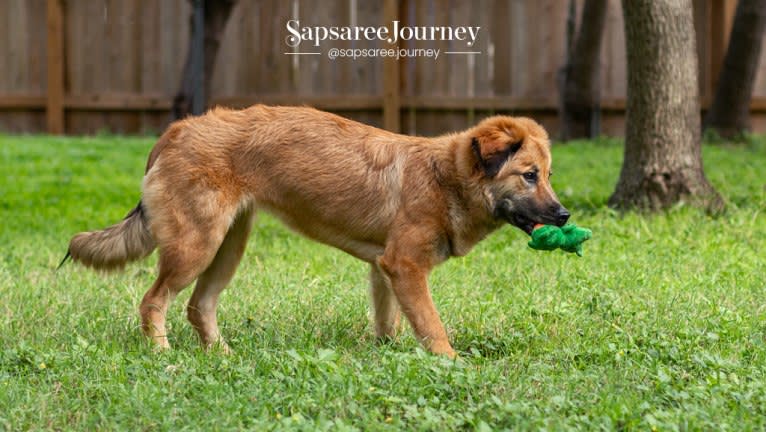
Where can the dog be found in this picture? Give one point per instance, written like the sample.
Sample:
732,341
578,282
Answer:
403,204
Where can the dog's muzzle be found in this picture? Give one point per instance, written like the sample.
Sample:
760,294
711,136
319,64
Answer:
520,216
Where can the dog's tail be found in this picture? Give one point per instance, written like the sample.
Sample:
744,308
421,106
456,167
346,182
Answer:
113,247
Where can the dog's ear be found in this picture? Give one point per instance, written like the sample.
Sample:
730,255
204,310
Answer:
492,152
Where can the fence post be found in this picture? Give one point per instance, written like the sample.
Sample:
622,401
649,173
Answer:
54,100
391,96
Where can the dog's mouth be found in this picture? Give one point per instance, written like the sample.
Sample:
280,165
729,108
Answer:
525,224
504,211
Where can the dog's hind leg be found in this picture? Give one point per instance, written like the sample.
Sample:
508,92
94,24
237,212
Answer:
154,306
384,304
201,310
188,241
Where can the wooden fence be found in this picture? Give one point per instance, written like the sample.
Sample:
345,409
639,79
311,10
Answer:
80,66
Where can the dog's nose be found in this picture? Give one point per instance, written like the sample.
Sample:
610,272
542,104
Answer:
562,216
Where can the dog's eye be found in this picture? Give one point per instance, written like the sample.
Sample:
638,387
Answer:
530,176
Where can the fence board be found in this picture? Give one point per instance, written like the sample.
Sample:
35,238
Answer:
5,46
500,52
18,50
613,60
54,105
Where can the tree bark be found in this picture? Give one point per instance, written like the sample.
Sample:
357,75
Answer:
216,14
729,114
578,78
663,161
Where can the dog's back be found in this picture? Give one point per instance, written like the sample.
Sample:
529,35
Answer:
332,179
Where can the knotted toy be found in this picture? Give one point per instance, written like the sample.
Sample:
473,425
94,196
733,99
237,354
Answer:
568,238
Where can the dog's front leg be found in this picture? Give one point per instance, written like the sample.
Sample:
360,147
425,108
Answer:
409,281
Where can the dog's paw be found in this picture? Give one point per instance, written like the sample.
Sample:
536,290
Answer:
220,347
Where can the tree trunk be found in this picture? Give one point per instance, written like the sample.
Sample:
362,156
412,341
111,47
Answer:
663,161
216,14
578,78
730,111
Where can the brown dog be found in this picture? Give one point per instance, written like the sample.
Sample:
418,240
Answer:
403,204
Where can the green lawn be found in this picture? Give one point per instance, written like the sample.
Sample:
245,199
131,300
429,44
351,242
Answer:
660,324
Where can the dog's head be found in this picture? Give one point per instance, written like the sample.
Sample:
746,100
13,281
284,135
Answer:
513,161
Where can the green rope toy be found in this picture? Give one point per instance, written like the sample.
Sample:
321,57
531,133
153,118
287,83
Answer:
568,238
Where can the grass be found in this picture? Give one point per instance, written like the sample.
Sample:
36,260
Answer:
660,326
